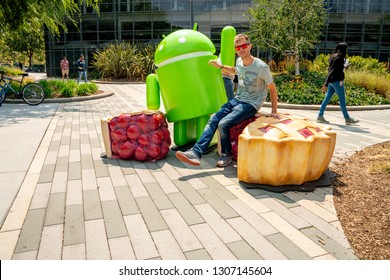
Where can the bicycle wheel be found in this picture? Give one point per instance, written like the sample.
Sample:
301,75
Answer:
3,95
33,94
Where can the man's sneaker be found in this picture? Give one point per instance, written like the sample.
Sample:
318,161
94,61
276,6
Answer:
189,157
351,121
321,119
224,161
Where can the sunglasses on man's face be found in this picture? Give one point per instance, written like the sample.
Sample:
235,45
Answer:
243,46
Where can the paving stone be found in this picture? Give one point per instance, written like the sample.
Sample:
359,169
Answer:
327,228
86,161
289,249
243,251
8,241
113,219
167,245
249,200
96,240
136,186
186,210
189,192
106,190
282,199
200,254
224,231
101,169
257,241
143,173
158,196
54,145
30,235
46,175
55,213
312,206
60,181
179,228
166,184
30,255
51,243
74,192
331,246
218,204
92,206
150,214
298,238
62,164
63,151
141,240
41,196
74,230
127,167
89,179
117,177
284,212
213,245
74,172
126,200
75,144
121,249
220,190
253,218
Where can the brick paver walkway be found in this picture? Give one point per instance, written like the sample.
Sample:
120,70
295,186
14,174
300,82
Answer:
72,204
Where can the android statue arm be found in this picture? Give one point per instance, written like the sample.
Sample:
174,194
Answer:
186,130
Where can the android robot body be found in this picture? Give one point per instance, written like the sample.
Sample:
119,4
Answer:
191,90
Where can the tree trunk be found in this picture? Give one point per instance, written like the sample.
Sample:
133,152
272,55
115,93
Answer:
30,56
297,72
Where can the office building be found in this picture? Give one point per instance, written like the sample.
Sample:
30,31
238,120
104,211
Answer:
363,24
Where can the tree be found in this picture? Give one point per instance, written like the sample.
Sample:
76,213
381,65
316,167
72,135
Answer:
290,27
27,39
52,13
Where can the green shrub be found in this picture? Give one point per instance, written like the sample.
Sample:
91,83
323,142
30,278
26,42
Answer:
306,89
369,64
125,61
59,88
85,89
67,89
375,83
46,88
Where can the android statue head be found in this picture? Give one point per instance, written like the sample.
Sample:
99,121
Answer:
191,89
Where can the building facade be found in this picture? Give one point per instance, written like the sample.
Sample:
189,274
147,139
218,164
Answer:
363,24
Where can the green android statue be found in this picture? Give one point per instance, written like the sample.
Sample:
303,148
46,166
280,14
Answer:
191,89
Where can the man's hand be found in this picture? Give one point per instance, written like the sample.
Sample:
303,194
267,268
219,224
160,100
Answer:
324,88
214,62
275,115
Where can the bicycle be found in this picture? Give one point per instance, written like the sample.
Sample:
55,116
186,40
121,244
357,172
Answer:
32,93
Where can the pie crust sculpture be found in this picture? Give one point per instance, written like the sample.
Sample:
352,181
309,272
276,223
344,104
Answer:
286,151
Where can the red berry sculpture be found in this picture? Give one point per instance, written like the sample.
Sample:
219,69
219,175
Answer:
142,136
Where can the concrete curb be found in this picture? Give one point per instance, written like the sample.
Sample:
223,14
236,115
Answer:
65,99
328,108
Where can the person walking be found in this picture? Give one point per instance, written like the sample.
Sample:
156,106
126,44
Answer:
81,66
334,83
254,81
64,64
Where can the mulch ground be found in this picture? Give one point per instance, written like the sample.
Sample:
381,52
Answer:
362,200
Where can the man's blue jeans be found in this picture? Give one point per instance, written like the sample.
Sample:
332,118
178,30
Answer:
340,91
81,74
231,113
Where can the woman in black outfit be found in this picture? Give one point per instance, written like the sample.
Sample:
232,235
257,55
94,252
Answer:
334,83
